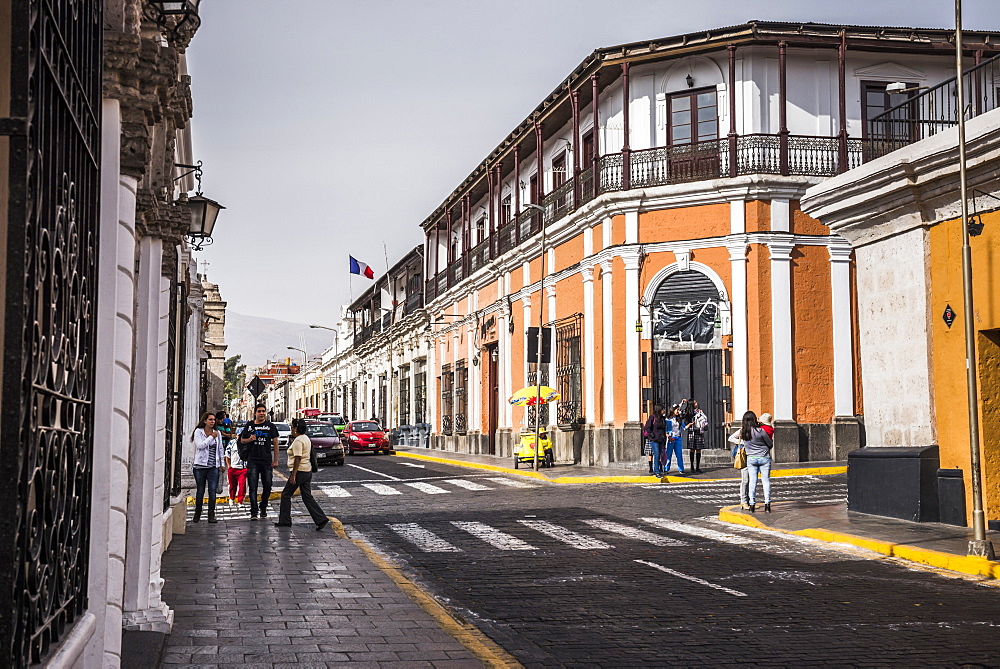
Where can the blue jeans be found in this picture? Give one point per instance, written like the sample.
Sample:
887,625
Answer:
263,470
203,475
762,465
674,448
656,449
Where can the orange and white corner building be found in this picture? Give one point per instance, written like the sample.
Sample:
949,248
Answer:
676,260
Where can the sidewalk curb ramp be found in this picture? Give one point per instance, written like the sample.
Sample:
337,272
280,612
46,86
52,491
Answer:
963,564
570,480
477,643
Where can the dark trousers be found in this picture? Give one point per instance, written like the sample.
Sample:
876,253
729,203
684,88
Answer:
303,482
203,476
263,470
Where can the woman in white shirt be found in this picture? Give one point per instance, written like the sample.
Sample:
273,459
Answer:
300,477
208,464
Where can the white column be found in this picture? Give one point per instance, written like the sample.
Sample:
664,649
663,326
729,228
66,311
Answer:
475,385
843,340
606,232
781,328
781,217
632,297
632,227
526,320
432,370
143,609
741,382
608,341
589,398
550,316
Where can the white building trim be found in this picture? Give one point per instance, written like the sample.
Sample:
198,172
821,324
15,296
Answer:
843,337
781,329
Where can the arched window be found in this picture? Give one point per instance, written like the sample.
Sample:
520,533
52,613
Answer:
685,309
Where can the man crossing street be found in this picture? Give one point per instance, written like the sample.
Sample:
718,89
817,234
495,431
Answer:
260,443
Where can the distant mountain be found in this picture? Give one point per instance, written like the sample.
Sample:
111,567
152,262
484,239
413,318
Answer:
258,339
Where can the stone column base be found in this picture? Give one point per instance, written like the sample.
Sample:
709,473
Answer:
787,442
846,435
160,619
630,448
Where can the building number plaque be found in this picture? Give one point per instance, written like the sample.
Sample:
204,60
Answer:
948,315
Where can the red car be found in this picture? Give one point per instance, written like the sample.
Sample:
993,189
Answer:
365,435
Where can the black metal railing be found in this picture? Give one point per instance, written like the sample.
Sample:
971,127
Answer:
935,109
528,223
479,256
413,302
506,237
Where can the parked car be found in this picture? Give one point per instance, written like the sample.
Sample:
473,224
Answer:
325,442
365,435
334,419
284,432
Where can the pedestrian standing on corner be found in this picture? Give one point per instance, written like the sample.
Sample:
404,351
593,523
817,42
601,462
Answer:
655,430
260,441
696,434
674,445
300,478
758,447
737,443
208,464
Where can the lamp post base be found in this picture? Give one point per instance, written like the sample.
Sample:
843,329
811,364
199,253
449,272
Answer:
982,548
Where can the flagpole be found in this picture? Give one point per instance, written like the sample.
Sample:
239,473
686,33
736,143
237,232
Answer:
388,338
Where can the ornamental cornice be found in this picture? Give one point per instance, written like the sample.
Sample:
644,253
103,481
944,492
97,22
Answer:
155,218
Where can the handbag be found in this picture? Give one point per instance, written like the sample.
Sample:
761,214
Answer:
740,461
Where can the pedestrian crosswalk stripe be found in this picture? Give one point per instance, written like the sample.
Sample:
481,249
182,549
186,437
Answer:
514,483
468,485
567,536
423,539
493,536
381,489
696,531
695,579
334,491
634,533
427,488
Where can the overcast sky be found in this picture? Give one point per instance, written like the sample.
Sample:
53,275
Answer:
332,127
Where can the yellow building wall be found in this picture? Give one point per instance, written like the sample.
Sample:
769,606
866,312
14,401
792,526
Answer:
948,353
709,220
812,334
759,357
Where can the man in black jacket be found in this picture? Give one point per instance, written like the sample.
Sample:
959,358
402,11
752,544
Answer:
261,436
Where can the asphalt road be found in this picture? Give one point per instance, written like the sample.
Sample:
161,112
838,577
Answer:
629,575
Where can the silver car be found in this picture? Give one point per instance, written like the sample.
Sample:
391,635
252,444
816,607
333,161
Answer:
284,433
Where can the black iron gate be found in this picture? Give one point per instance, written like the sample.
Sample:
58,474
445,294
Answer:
697,375
52,226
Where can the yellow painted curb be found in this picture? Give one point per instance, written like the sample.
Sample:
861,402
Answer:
474,641
531,474
963,564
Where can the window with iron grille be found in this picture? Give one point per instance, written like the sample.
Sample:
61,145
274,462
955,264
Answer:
404,396
447,398
506,209
420,398
569,371
461,397
354,400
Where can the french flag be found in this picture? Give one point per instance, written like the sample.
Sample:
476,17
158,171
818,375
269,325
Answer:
358,267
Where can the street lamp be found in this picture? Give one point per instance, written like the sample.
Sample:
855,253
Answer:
336,336
305,359
204,211
174,16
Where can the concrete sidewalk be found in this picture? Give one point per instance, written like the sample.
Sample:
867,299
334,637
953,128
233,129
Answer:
249,594
578,473
933,544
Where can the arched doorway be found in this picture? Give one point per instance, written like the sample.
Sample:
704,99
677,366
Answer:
686,315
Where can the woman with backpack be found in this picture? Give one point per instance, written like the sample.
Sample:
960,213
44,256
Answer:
696,435
655,430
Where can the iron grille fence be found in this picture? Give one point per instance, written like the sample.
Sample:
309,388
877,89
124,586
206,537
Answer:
461,397
936,108
447,398
420,397
54,52
569,371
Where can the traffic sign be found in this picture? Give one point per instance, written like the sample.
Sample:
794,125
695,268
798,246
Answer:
256,387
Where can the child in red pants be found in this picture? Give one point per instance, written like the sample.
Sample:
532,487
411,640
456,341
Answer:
237,470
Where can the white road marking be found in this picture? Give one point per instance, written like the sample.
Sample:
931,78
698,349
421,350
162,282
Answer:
381,489
423,539
574,539
514,483
372,471
334,491
427,488
409,464
468,485
696,531
634,533
695,579
493,536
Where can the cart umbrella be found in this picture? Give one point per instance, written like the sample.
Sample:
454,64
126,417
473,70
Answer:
532,395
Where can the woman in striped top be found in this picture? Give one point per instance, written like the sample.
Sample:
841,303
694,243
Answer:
208,464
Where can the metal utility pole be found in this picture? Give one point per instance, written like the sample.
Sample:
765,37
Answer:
979,545
538,368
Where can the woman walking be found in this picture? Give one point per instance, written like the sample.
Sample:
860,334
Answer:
696,435
299,477
208,464
758,446
674,445
656,432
